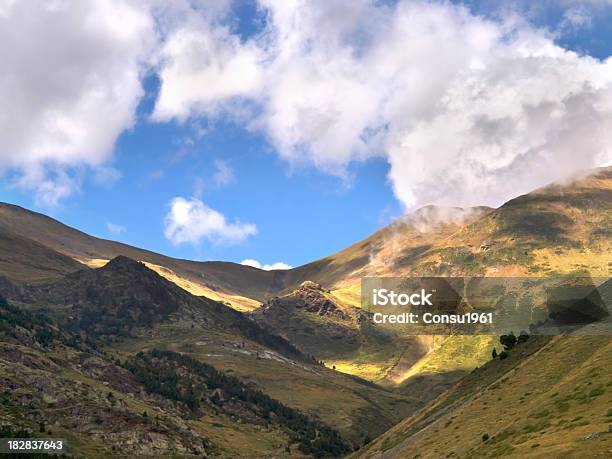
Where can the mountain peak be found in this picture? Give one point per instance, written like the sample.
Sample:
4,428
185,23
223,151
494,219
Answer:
123,262
310,285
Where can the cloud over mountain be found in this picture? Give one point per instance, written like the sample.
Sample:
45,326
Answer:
266,267
466,110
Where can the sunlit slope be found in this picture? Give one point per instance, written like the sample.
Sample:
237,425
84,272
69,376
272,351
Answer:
559,229
341,335
549,398
239,285
345,338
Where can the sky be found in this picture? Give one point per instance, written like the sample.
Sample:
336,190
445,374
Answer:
274,132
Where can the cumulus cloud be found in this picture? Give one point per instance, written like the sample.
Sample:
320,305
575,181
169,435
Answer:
203,65
50,184
190,220
466,110
266,267
70,81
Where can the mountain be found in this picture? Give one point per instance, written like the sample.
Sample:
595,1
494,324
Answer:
124,298
86,316
559,229
236,284
319,323
545,231
153,403
93,326
314,320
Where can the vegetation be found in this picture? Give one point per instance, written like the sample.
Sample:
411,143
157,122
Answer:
197,384
552,394
540,396
509,342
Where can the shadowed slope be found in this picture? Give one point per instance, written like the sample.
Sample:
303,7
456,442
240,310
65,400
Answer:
24,260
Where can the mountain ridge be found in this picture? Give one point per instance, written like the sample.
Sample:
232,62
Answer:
405,246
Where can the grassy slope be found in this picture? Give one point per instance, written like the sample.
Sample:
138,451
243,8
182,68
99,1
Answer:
358,409
57,386
540,402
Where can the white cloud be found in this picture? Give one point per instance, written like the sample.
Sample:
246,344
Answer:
203,64
115,229
69,85
267,267
466,110
224,174
50,184
576,17
190,220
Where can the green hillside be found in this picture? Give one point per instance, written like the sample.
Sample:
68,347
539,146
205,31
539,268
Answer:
549,398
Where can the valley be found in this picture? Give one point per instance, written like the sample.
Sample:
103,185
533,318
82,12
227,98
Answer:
122,350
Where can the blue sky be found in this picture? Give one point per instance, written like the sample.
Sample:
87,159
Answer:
306,196
301,214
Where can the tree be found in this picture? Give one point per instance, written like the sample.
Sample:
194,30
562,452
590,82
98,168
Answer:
508,341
